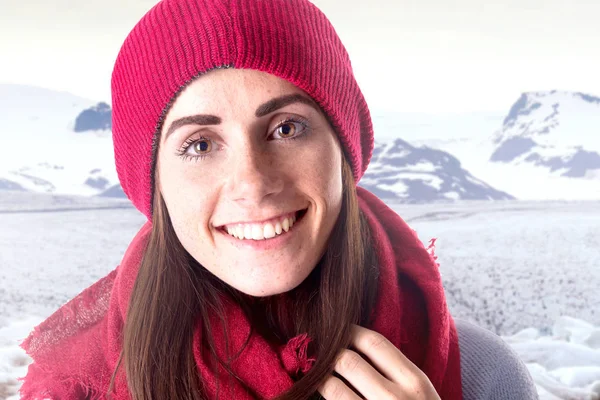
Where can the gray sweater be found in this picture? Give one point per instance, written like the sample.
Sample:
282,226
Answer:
490,368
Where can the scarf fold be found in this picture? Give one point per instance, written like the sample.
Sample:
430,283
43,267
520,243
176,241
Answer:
76,349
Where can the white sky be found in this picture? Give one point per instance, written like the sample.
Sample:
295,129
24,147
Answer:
431,56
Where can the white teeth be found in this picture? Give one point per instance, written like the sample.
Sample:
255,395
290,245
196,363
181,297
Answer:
286,224
269,231
257,232
247,232
260,232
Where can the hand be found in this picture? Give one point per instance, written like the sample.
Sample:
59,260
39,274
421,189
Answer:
388,376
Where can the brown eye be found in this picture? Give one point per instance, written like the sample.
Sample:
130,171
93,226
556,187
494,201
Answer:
286,130
202,146
291,129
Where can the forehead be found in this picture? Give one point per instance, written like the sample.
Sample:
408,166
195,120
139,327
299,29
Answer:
222,88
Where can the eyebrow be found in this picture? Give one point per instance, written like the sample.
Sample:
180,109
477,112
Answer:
262,110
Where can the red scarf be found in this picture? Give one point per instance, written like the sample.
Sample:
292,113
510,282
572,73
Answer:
76,349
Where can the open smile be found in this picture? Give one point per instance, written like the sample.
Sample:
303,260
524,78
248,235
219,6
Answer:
266,235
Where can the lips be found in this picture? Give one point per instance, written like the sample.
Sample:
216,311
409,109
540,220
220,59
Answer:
264,230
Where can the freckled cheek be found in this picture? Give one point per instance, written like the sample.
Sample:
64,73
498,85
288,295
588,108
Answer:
323,180
328,166
333,190
192,198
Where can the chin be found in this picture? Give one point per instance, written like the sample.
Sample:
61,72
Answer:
268,289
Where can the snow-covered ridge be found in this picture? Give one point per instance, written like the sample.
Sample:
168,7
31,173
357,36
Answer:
95,118
401,172
545,147
54,142
557,131
72,154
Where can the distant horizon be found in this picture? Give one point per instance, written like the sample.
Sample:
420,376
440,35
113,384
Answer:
374,111
386,110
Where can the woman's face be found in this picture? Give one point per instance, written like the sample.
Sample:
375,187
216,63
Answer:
241,153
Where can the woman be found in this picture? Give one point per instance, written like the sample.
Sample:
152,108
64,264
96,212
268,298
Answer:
263,271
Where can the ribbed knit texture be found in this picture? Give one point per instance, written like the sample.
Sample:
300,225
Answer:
179,39
490,368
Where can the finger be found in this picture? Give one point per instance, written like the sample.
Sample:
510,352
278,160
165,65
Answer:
386,357
362,376
334,389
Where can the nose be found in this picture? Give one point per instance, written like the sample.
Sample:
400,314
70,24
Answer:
254,175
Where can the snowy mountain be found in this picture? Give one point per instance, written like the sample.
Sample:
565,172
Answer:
98,117
556,131
547,145
78,155
54,142
9,185
401,172
114,191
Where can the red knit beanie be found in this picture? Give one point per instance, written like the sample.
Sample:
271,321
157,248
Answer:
178,40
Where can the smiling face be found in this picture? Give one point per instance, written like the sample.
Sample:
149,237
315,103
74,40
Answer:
250,172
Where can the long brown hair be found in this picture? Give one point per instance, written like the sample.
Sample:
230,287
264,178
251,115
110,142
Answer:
173,292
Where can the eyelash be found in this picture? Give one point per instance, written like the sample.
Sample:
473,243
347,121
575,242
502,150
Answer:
191,141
